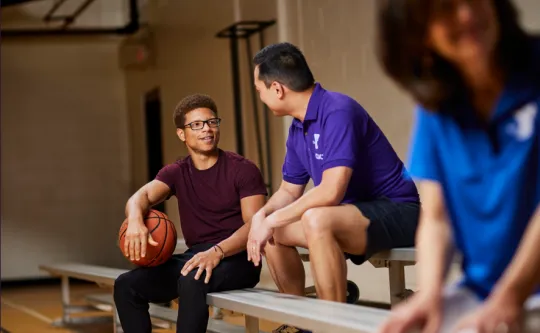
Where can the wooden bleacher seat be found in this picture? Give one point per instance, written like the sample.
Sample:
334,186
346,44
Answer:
395,260
168,315
98,274
322,316
312,314
105,277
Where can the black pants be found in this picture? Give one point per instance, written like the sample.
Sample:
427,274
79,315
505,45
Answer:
135,289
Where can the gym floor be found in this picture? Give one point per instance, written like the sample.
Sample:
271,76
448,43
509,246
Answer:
33,308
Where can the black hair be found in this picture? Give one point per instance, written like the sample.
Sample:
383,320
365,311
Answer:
284,63
190,103
402,29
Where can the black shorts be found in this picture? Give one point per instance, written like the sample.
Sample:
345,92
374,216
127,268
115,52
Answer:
392,224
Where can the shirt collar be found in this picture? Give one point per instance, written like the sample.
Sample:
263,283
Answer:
313,106
521,88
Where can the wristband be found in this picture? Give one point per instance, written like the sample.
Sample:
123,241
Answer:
222,252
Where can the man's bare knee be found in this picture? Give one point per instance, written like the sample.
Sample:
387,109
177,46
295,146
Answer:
316,222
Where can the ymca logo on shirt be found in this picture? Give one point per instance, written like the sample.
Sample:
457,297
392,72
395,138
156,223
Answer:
523,126
316,137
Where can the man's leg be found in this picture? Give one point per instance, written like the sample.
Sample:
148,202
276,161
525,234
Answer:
135,289
331,231
284,262
286,265
233,272
361,229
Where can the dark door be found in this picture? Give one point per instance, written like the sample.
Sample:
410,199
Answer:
152,109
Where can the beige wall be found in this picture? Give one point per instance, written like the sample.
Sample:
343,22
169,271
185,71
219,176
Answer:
65,163
338,42
190,59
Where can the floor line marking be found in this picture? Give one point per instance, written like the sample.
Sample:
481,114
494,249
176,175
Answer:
27,310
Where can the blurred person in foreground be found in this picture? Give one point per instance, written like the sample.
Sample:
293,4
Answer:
475,155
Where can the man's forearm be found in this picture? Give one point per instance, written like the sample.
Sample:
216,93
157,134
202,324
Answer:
236,242
137,205
280,199
434,250
522,276
316,197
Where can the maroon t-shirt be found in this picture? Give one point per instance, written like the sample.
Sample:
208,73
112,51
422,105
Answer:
209,200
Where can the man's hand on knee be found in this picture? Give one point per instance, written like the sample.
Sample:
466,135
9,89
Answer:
259,234
204,261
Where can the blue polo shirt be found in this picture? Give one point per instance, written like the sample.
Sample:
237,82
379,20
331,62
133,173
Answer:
490,177
337,131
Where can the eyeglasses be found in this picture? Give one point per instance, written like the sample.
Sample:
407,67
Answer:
199,124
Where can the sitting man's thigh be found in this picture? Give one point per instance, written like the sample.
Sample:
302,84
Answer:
391,224
154,284
344,223
235,272
364,228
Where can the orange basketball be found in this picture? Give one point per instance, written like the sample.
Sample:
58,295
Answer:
162,231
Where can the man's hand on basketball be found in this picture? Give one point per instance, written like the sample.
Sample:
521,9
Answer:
136,240
259,234
206,261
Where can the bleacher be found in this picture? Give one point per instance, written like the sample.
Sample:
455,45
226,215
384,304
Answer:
255,304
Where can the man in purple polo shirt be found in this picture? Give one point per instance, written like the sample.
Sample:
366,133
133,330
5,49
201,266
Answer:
363,201
218,192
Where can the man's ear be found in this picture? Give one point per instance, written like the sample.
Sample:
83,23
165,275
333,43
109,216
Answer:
279,89
181,134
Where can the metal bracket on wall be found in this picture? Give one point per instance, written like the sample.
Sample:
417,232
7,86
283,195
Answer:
244,30
64,30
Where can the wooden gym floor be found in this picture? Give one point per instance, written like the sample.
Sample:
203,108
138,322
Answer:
32,309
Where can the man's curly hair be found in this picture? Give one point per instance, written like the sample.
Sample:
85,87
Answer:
190,103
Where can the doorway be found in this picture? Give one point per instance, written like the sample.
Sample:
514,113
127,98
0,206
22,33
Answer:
154,147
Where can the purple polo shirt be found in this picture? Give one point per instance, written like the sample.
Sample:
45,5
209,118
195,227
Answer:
337,131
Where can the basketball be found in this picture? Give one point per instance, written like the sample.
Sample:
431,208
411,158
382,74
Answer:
162,231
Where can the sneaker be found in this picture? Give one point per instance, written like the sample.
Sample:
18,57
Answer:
289,329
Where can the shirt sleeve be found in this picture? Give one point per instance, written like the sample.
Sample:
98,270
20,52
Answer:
167,175
423,158
293,170
250,180
341,137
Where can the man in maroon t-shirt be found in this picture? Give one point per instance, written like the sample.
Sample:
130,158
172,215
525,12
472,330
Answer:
218,192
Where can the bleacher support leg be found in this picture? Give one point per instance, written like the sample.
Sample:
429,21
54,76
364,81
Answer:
396,270
65,299
252,324
217,313
68,309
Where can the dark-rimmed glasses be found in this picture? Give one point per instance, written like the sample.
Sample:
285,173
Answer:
199,124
